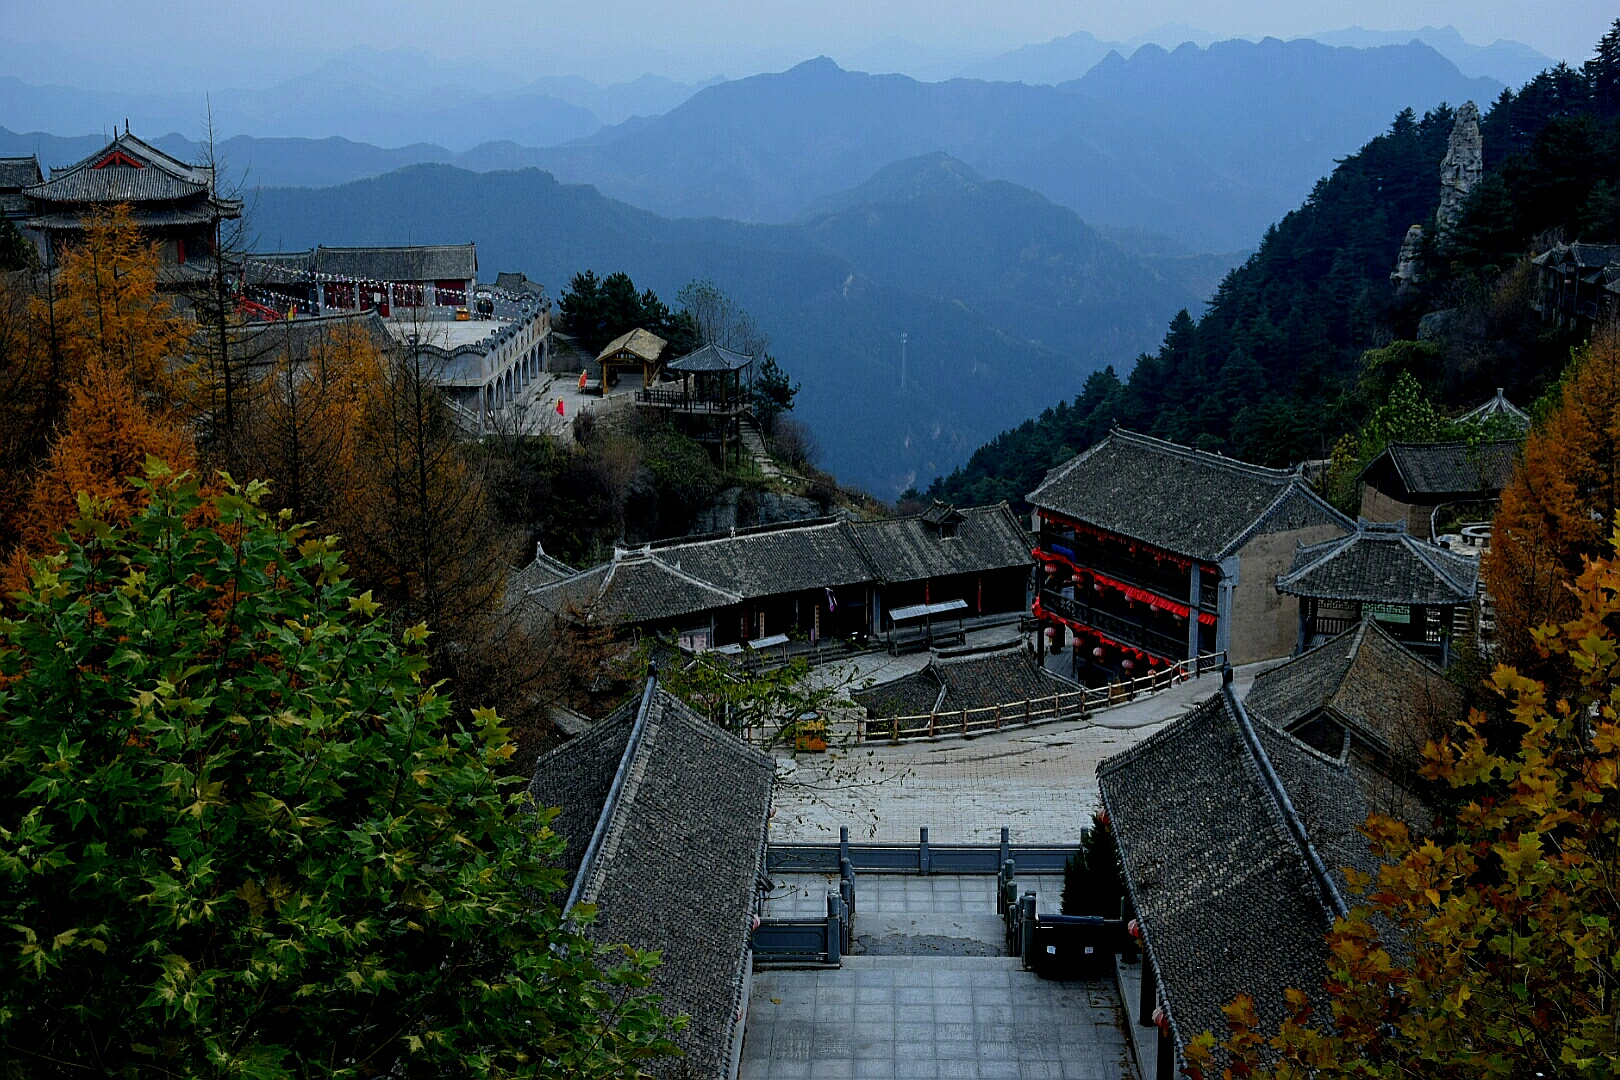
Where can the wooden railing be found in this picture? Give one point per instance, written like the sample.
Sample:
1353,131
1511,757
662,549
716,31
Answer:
697,403
1117,627
1063,705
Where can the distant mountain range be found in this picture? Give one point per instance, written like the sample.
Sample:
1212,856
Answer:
440,109
1008,298
1071,57
1206,145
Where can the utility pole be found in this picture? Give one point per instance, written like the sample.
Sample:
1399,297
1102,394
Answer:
903,338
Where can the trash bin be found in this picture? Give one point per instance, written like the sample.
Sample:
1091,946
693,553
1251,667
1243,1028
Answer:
1074,946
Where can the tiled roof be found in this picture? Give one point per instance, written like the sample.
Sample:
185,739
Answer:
1445,469
1225,898
1193,503
17,173
155,177
544,570
773,559
1386,695
421,262
1380,563
913,548
1236,881
691,574
679,850
974,680
710,357
910,695
302,338
634,587
1499,407
642,343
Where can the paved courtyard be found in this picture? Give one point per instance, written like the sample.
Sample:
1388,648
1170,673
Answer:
1041,781
912,1016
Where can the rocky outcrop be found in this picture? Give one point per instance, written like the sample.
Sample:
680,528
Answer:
736,508
1407,269
1461,168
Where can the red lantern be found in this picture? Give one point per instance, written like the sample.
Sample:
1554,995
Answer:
1126,664
1097,652
1096,586
1134,928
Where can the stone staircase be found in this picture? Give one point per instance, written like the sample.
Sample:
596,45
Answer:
754,445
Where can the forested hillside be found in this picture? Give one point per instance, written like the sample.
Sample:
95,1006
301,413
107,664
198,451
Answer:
1273,372
1023,298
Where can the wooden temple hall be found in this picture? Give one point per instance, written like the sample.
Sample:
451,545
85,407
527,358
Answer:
1150,553
174,202
824,578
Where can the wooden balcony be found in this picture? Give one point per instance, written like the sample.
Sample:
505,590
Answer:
1123,630
681,401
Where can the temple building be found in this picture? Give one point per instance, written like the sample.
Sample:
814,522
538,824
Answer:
1153,553
1238,826
665,819
1421,592
433,279
1412,482
823,578
176,204
1578,284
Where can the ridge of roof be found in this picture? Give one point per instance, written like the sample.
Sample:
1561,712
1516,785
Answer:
1204,456
1331,897
741,533
1313,558
610,806
1295,486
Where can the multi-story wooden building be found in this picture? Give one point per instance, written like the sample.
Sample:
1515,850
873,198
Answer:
175,204
1151,553
1578,284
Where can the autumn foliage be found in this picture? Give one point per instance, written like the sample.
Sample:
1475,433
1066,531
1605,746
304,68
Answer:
1555,511
1490,950
104,332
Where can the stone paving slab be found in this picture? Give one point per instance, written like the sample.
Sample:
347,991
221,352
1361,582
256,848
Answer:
902,1016
1041,782
798,896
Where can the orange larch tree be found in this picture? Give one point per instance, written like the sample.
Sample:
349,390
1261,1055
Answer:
1555,511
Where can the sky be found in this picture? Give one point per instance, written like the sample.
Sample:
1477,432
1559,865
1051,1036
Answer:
137,45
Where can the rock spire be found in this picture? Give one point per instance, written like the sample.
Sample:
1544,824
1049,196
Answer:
1461,168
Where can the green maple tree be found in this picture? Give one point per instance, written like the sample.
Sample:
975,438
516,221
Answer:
242,836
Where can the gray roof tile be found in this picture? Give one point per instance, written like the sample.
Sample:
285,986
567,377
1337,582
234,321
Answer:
1443,469
1380,563
1186,501
17,173
1367,682
973,680
710,357
681,853
421,262
914,548
634,587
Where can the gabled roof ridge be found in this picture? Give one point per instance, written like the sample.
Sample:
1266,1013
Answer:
742,533
1204,456
710,731
610,805
389,247
1329,895
1295,486
1406,654
1062,469
1331,549
1434,558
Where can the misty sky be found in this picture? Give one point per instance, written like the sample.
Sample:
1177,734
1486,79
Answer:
137,45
